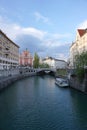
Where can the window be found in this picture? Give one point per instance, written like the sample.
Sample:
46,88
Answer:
0,35
0,48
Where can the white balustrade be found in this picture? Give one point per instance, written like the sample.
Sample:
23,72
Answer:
5,73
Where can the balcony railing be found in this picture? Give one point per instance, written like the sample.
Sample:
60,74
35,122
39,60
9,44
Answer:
7,47
9,60
7,52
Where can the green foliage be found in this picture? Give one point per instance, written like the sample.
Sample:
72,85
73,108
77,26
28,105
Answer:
36,61
81,60
80,73
44,65
80,63
62,72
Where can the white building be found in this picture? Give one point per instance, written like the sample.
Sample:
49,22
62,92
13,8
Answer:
79,46
55,63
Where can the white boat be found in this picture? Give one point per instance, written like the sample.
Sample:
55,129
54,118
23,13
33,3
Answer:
62,82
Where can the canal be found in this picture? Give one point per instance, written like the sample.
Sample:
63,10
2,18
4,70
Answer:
36,103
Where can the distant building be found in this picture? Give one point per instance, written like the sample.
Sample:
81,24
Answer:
9,52
79,46
55,63
25,58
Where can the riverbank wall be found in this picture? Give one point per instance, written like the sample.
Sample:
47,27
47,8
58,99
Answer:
75,83
7,77
6,81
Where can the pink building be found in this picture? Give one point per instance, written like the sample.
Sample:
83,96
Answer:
25,58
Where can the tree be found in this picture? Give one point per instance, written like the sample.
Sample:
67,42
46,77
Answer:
44,65
36,61
80,63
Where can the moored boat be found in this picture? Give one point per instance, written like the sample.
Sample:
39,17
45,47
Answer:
62,82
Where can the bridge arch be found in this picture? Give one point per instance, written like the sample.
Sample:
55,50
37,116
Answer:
44,71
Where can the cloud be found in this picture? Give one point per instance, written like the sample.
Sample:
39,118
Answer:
62,56
83,25
30,42
53,43
58,36
3,10
40,17
13,30
42,42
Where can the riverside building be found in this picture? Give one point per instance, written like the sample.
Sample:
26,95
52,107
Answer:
79,46
9,52
55,63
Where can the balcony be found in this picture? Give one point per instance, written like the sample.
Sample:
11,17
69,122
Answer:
8,60
7,47
6,52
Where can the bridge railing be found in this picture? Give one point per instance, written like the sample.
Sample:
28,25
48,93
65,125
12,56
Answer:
15,71
6,73
46,69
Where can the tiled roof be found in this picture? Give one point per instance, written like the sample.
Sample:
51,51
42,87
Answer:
51,58
82,32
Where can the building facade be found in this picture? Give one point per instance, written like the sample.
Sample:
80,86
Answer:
55,63
79,46
9,52
25,59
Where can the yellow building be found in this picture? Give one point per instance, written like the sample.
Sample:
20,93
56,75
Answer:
9,52
79,46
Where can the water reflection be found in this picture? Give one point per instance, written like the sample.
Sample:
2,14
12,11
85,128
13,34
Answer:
36,103
79,105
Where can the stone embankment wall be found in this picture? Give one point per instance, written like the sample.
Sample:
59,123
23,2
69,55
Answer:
77,84
6,81
7,77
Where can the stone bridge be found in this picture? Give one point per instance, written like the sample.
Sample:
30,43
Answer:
42,71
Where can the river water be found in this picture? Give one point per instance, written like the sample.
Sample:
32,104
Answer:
37,103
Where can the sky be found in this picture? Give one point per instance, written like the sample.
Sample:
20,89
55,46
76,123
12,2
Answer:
47,27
